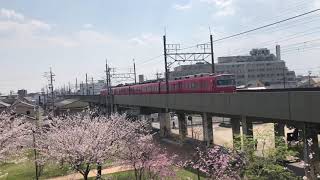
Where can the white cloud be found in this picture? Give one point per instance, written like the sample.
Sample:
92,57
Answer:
60,41
88,26
182,7
224,7
39,24
218,3
228,11
11,14
90,37
145,39
17,22
317,3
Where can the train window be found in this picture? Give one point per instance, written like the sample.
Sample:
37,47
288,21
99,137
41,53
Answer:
226,82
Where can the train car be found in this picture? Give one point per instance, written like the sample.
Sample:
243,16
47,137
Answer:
104,92
223,83
148,88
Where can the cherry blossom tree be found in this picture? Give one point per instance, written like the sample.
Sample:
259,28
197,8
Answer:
84,141
217,162
146,157
14,134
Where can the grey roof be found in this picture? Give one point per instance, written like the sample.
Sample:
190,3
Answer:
66,102
3,104
19,101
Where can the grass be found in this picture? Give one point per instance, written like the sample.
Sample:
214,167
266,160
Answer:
26,170
181,174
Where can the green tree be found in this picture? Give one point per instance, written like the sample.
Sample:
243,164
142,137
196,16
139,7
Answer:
267,163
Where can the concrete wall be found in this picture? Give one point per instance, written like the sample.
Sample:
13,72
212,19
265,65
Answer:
297,106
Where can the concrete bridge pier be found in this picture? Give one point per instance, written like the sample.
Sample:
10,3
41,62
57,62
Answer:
207,128
247,130
247,127
236,136
183,129
279,134
115,109
141,117
311,150
164,120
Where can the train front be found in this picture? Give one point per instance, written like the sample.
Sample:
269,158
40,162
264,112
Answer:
225,83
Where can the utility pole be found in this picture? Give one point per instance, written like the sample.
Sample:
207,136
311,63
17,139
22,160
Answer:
47,96
51,88
166,63
87,84
135,73
284,78
92,86
35,155
309,76
158,75
212,54
82,87
76,90
108,84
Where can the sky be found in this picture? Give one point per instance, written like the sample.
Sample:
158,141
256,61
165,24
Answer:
75,37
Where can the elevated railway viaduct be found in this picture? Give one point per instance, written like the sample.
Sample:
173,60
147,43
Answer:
299,108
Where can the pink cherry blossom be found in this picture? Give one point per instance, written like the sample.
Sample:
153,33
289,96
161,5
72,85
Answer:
14,134
217,162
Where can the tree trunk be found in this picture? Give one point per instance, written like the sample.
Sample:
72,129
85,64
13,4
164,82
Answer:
86,173
85,176
136,173
198,173
99,171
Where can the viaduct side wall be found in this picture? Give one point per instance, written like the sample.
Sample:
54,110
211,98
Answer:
296,106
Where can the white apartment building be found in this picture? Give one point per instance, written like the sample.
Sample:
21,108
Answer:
260,65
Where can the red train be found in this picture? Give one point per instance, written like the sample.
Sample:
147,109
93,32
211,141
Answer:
222,83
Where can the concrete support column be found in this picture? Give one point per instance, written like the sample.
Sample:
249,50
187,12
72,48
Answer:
115,109
183,129
207,128
311,150
247,130
141,117
279,133
236,136
164,120
247,127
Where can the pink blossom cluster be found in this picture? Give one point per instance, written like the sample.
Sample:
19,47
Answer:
146,157
83,140
217,162
14,135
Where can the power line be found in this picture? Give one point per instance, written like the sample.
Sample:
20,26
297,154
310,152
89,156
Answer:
272,42
294,7
150,59
268,25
